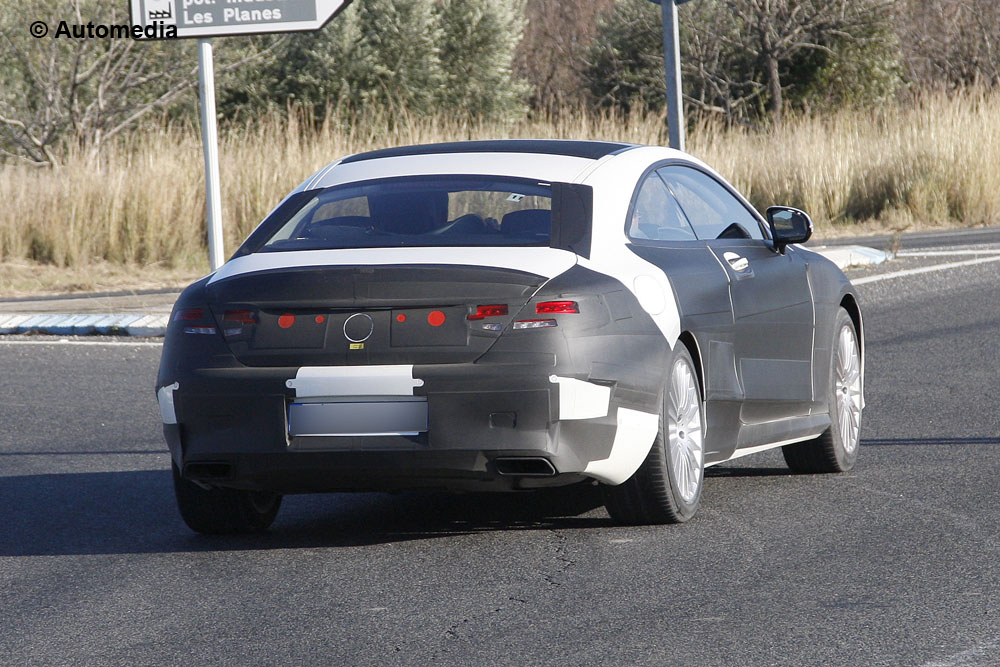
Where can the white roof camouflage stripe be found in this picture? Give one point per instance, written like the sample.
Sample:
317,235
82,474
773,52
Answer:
545,168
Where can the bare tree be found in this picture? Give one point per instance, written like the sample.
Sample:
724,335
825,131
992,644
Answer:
745,58
776,31
552,55
60,89
950,42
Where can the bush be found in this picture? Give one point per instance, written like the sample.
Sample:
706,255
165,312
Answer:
741,62
418,56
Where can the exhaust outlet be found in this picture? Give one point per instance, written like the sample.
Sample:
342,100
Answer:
525,466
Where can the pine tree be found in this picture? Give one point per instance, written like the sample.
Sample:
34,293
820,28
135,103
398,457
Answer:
479,38
396,58
380,54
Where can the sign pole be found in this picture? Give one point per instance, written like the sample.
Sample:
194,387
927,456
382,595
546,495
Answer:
672,68
210,140
202,19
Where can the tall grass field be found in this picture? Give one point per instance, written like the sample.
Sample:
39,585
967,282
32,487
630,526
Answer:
935,162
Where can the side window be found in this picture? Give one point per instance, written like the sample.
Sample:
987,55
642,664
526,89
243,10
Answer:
710,207
656,215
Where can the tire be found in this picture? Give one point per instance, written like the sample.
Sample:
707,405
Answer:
224,511
667,486
836,450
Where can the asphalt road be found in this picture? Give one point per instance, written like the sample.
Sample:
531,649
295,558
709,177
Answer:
895,563
920,240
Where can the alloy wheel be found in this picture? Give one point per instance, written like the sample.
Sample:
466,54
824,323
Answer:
685,431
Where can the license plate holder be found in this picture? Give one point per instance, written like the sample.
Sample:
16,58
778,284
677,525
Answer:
370,417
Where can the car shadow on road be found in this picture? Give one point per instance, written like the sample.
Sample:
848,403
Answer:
916,442
134,512
726,471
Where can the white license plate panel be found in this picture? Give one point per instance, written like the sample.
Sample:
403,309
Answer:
354,418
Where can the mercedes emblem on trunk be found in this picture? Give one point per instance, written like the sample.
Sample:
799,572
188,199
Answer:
358,327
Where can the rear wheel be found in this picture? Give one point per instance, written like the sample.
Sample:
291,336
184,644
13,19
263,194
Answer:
220,511
667,487
836,450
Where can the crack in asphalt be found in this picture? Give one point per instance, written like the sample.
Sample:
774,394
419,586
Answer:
561,556
455,631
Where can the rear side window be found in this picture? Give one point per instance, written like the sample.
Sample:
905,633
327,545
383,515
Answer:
656,216
713,210
424,211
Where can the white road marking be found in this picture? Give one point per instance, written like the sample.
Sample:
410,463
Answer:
984,654
942,253
82,342
925,269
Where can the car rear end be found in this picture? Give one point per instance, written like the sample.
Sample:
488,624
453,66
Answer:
393,333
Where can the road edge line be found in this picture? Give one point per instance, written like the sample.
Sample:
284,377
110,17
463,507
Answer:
925,269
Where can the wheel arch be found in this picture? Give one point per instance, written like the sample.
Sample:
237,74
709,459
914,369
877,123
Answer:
850,303
691,343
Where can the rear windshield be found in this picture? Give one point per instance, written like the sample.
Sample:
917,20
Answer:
424,211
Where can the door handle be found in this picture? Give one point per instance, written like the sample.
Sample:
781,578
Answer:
740,264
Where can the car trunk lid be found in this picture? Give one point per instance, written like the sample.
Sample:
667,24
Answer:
372,314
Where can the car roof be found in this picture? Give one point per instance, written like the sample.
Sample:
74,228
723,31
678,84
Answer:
593,150
567,161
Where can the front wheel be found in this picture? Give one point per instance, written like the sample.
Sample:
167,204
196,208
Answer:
221,511
836,450
667,487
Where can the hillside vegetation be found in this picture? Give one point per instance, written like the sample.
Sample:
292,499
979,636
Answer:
141,200
873,115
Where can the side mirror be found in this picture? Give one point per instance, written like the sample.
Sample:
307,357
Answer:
788,225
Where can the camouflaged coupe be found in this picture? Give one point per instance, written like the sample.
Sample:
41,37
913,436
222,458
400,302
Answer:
506,315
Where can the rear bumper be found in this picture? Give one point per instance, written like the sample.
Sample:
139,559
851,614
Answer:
231,429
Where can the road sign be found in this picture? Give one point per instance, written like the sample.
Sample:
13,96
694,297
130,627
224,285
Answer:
218,18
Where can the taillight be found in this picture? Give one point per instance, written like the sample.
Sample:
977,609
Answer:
234,321
195,321
482,312
552,307
241,316
190,315
548,308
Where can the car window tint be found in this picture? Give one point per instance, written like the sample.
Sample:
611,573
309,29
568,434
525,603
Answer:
426,211
656,216
710,207
338,209
493,204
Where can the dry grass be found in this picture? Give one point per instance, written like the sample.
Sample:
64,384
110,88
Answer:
21,278
932,165
141,203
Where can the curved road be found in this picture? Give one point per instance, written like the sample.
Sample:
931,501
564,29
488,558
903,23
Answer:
895,563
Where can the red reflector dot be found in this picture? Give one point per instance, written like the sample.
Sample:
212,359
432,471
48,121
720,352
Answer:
320,319
286,321
435,318
401,317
